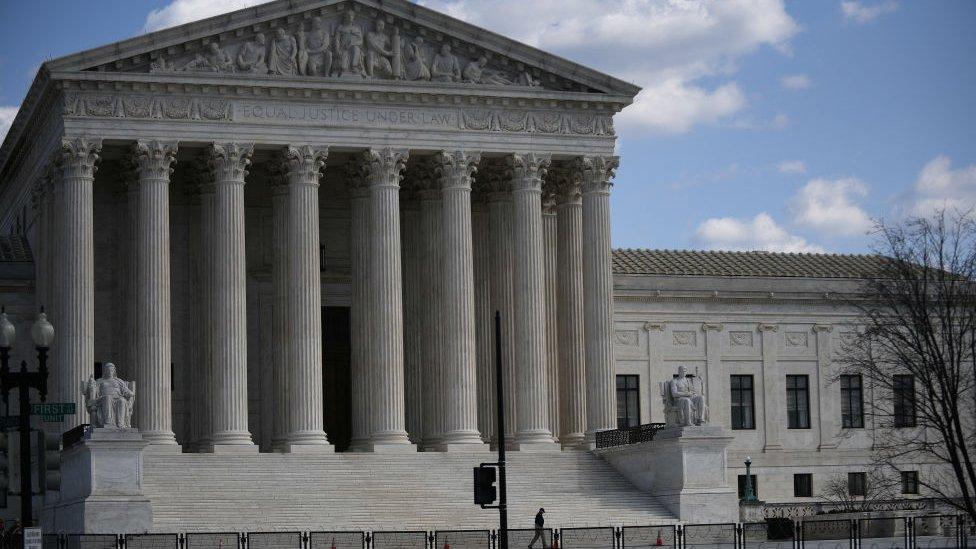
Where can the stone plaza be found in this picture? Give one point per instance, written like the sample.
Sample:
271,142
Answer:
289,228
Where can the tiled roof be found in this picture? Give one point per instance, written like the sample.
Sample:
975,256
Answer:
767,264
14,248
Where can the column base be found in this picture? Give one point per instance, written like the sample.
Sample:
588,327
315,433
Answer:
390,448
159,437
316,438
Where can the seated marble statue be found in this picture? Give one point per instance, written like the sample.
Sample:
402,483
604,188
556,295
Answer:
109,400
684,401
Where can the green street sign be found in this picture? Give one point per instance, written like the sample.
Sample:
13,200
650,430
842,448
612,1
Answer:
52,418
53,409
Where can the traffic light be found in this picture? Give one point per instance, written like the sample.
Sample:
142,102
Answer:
49,461
484,485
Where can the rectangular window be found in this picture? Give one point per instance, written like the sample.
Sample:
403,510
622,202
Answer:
743,402
904,400
798,402
909,482
852,402
803,485
628,401
857,484
742,486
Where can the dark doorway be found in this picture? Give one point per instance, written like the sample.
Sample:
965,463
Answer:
336,385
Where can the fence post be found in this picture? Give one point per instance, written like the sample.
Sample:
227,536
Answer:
493,536
679,536
369,540
855,533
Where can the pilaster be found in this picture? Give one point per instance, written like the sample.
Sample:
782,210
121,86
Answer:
716,380
827,413
774,390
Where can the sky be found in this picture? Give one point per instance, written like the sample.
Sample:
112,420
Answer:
763,124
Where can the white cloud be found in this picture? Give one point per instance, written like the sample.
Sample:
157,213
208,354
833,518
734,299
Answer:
859,12
795,81
7,115
830,207
178,12
759,233
792,166
664,46
939,186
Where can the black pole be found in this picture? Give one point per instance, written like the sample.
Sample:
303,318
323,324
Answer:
26,488
500,403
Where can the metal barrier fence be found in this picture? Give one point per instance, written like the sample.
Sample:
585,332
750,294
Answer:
920,532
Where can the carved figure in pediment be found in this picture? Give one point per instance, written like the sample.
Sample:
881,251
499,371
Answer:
349,47
416,68
161,64
283,54
314,50
526,79
445,67
477,72
379,52
251,58
215,59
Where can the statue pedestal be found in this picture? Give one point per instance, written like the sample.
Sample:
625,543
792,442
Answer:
684,468
101,486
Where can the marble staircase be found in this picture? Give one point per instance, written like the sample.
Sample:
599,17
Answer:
349,491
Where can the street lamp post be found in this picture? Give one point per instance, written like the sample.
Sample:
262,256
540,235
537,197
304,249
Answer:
42,333
750,496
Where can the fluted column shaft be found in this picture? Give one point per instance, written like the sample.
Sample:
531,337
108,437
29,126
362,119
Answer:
483,321
431,207
572,372
460,428
598,296
229,162
130,282
279,312
207,318
74,349
359,314
414,283
388,425
303,165
502,296
549,245
532,399
153,162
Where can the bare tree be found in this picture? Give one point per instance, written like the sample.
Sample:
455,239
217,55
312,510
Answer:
877,488
916,345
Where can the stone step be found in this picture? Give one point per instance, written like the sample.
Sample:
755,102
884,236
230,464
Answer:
425,491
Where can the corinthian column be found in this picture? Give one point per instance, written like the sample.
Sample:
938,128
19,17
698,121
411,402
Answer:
279,308
388,425
359,313
460,418
549,244
432,340
414,284
502,282
598,295
74,348
532,399
484,324
153,163
205,389
302,167
228,339
572,372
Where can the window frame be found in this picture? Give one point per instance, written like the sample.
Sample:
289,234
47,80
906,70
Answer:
903,410
909,479
853,479
629,392
808,479
735,404
847,399
799,416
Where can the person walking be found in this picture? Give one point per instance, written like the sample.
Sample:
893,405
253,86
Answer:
540,522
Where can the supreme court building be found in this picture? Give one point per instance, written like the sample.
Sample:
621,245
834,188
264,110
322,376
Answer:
291,225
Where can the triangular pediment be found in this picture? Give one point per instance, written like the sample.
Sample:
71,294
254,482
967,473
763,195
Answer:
357,40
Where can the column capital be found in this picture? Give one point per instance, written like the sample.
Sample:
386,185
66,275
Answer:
566,182
152,159
79,155
528,170
229,161
597,172
454,169
302,164
384,167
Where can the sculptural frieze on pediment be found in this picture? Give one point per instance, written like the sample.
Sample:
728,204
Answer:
346,44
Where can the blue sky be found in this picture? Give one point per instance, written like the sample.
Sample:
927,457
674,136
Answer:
787,126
